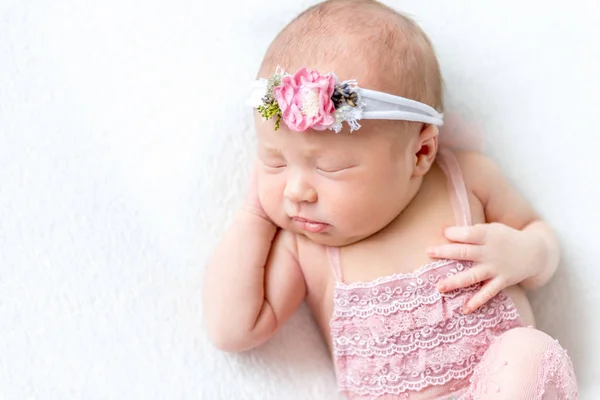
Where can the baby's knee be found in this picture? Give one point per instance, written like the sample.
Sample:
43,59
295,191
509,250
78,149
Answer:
524,363
526,349
526,340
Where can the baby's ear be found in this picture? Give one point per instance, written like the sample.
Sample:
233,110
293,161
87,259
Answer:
426,149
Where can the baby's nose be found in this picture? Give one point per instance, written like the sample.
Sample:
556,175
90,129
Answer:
298,190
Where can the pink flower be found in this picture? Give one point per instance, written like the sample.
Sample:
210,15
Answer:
305,100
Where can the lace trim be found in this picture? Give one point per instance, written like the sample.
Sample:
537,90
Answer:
556,375
398,292
399,276
423,339
366,308
398,380
393,375
396,385
427,315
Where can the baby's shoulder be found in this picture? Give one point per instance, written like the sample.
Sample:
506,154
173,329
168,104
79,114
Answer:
501,201
480,173
472,161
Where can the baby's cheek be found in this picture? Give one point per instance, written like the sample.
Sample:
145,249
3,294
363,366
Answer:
367,213
346,209
268,203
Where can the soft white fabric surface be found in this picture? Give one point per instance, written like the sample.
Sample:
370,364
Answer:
123,151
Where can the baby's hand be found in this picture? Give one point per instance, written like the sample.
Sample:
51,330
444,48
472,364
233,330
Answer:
502,257
252,202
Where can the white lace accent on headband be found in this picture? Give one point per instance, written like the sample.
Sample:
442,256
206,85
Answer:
309,100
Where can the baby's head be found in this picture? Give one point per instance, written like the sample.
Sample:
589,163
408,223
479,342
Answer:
339,188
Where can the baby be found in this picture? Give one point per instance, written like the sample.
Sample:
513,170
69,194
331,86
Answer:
413,259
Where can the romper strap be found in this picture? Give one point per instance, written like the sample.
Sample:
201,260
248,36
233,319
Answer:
333,255
456,184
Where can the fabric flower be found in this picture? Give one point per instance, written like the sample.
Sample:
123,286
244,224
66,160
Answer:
305,100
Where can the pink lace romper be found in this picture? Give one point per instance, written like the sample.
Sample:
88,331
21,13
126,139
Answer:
398,337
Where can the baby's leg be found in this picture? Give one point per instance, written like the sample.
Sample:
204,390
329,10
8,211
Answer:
523,364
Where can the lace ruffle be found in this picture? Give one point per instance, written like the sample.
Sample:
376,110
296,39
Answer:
390,294
399,334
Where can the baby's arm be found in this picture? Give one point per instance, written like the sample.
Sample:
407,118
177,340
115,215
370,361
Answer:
253,283
504,204
514,246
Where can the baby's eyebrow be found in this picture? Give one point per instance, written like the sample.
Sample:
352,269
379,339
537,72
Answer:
310,153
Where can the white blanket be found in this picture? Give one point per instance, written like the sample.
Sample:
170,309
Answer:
124,143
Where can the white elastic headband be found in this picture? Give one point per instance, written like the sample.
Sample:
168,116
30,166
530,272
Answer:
308,100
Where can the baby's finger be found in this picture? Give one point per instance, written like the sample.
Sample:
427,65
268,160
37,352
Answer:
457,251
252,202
464,279
467,234
485,294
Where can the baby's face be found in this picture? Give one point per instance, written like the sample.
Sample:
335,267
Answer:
335,189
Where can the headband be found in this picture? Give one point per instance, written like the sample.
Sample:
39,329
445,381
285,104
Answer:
309,100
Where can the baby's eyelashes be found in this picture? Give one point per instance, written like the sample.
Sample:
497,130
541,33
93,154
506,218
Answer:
277,167
334,169
330,170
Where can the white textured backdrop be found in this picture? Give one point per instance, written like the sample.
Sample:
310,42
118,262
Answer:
123,151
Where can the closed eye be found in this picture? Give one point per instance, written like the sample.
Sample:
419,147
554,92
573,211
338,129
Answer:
333,170
274,167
